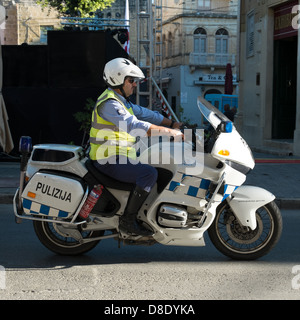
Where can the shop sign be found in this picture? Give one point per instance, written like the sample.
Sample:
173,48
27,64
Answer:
216,78
284,20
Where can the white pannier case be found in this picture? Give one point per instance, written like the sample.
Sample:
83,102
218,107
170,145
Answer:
54,195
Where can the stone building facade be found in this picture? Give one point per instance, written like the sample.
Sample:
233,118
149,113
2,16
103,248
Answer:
199,40
26,22
269,115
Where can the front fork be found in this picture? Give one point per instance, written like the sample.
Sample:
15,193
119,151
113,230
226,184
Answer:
211,207
25,148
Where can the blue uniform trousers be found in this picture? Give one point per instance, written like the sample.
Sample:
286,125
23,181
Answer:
143,175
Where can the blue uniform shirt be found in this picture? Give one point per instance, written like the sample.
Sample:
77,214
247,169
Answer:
142,119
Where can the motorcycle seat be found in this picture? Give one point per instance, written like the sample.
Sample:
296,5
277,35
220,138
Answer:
107,181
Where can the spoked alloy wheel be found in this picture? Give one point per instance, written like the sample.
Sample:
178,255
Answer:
55,239
242,243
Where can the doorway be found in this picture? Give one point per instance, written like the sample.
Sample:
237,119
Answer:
284,88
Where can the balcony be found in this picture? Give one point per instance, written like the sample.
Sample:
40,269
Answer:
215,60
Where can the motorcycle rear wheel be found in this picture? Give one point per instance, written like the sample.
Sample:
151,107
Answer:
61,244
241,243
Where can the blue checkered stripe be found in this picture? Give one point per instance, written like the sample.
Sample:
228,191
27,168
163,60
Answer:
31,207
228,189
195,188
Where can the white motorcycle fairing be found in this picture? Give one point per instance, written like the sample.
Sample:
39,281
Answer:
246,200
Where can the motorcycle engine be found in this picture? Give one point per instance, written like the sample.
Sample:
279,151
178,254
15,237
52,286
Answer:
172,216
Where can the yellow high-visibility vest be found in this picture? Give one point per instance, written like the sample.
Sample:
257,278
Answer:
107,139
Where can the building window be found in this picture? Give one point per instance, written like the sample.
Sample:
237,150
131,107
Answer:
222,41
200,37
250,35
177,45
203,4
43,33
158,52
170,51
164,46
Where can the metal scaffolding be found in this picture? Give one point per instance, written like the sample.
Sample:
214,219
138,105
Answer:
150,55
144,25
94,23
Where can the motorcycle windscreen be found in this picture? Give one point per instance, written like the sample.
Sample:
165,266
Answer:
211,113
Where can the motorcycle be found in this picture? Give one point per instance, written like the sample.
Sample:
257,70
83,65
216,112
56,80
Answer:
189,198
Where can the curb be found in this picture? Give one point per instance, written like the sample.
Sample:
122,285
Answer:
288,203
283,203
6,198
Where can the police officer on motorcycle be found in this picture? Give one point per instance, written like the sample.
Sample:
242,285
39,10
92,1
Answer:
116,123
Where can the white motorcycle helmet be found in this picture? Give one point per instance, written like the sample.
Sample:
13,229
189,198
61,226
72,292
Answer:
117,69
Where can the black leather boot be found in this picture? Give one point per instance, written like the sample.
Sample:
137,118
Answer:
128,221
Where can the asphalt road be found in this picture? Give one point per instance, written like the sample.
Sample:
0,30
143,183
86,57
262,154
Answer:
30,271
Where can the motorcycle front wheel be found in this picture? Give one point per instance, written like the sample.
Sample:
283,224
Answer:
58,242
241,243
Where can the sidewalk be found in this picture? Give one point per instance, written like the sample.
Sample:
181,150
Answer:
9,181
279,175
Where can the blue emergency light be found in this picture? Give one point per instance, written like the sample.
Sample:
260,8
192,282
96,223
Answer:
25,145
225,127
228,126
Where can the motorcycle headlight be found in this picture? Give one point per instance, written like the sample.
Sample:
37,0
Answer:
239,167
